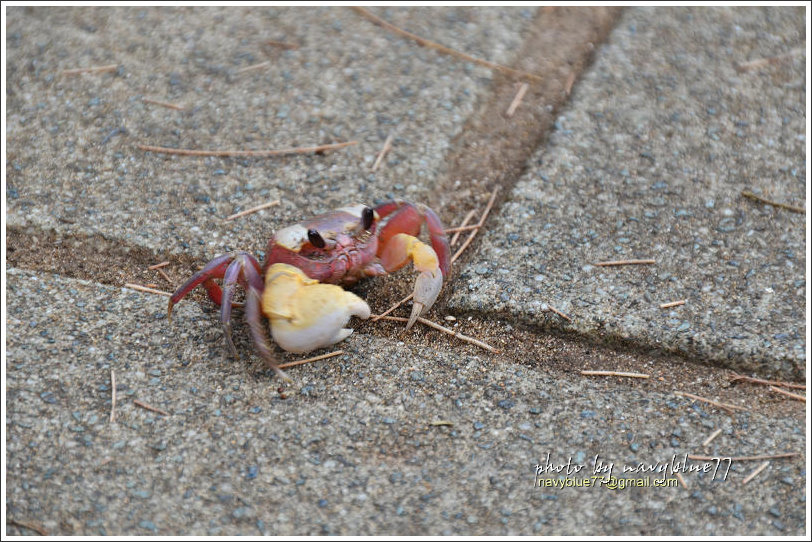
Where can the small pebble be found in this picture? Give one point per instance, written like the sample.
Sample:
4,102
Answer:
241,512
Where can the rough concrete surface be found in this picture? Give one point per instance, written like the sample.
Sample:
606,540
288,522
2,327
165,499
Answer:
649,161
404,433
73,162
352,449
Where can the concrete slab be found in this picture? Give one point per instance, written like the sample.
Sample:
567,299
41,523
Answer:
403,434
73,162
390,438
649,161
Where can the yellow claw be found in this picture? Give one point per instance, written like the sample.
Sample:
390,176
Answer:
305,314
400,249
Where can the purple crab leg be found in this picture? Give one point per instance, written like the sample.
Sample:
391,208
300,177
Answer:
214,269
243,265
230,280
253,314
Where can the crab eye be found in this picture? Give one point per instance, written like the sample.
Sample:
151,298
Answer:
315,238
367,215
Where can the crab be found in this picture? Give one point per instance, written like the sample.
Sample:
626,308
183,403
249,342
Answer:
297,287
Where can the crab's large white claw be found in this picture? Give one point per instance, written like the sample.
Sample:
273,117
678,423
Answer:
305,314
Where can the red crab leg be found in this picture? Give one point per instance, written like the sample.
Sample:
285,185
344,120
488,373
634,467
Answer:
408,218
240,268
214,269
397,253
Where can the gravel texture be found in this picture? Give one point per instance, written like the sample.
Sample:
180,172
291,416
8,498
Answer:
351,449
74,165
409,434
649,161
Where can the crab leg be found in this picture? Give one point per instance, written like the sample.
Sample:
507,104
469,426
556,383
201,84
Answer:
215,269
253,315
398,251
243,269
408,218
240,271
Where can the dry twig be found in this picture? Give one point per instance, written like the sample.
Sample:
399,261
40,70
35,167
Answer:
753,380
458,230
479,225
276,152
794,209
761,62
681,480
789,394
376,317
166,277
615,373
673,304
625,262
39,529
254,67
443,49
713,435
308,360
150,407
92,69
386,146
559,313
158,266
441,423
145,289
254,209
725,406
281,44
438,327
517,99
755,472
168,105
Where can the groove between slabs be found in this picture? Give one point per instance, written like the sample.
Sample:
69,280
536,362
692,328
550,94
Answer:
494,147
